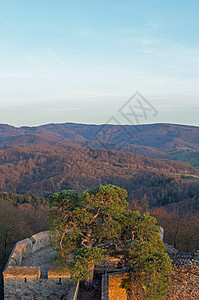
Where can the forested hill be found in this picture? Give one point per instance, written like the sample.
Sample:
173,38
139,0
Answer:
169,141
44,159
44,170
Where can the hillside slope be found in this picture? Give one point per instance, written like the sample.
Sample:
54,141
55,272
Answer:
169,141
44,170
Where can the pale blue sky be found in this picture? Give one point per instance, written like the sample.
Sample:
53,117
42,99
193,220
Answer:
80,61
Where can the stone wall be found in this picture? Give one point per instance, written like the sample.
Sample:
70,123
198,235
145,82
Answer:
26,247
184,278
112,286
116,292
104,287
26,283
161,233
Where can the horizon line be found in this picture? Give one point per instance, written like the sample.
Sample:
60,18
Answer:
101,124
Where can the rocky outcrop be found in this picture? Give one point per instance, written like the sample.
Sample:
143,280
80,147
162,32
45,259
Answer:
170,249
185,283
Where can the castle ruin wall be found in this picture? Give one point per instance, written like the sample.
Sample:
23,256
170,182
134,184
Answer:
27,282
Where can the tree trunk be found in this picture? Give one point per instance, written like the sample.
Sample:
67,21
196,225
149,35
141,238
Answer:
89,281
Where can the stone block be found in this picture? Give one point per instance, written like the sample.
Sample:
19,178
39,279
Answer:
170,249
11,262
40,240
54,274
21,272
19,251
24,247
15,256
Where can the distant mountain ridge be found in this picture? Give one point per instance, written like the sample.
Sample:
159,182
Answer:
169,141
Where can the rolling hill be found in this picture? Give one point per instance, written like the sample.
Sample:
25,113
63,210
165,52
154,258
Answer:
163,141
146,160
43,170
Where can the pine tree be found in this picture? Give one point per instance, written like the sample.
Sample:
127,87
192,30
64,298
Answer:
84,227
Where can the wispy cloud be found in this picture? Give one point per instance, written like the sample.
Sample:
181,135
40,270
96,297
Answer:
152,26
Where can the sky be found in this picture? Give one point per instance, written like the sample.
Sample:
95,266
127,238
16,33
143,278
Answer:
83,61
